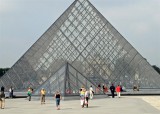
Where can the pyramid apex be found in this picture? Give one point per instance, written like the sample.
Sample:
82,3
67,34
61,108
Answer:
85,39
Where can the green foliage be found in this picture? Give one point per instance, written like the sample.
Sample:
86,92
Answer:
156,68
3,71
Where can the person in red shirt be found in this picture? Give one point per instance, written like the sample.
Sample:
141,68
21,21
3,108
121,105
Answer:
118,90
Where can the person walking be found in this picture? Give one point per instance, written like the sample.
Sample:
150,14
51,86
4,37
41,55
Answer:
11,92
112,89
91,92
58,97
82,96
43,93
118,90
2,100
29,93
86,98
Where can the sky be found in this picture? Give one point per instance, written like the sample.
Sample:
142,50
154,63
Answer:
22,22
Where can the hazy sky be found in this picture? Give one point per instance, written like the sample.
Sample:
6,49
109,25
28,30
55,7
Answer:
22,22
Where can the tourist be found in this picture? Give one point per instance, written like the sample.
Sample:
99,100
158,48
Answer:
99,88
29,93
58,97
11,92
86,98
43,93
112,89
82,96
2,100
118,90
103,88
91,92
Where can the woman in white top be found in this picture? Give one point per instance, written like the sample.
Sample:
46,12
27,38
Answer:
91,92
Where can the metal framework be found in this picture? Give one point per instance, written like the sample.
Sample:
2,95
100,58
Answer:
68,81
82,37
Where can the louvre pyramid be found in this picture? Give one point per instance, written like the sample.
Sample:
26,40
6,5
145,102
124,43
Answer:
68,81
82,37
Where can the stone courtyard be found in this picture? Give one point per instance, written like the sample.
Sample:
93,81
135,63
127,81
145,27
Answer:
123,105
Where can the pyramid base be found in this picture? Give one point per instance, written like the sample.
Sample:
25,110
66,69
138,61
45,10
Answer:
65,98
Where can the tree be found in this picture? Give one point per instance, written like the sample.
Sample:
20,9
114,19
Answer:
156,68
3,71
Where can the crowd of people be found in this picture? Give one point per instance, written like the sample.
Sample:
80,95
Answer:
85,94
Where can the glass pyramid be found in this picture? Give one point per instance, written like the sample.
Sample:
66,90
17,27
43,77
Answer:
82,37
68,81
